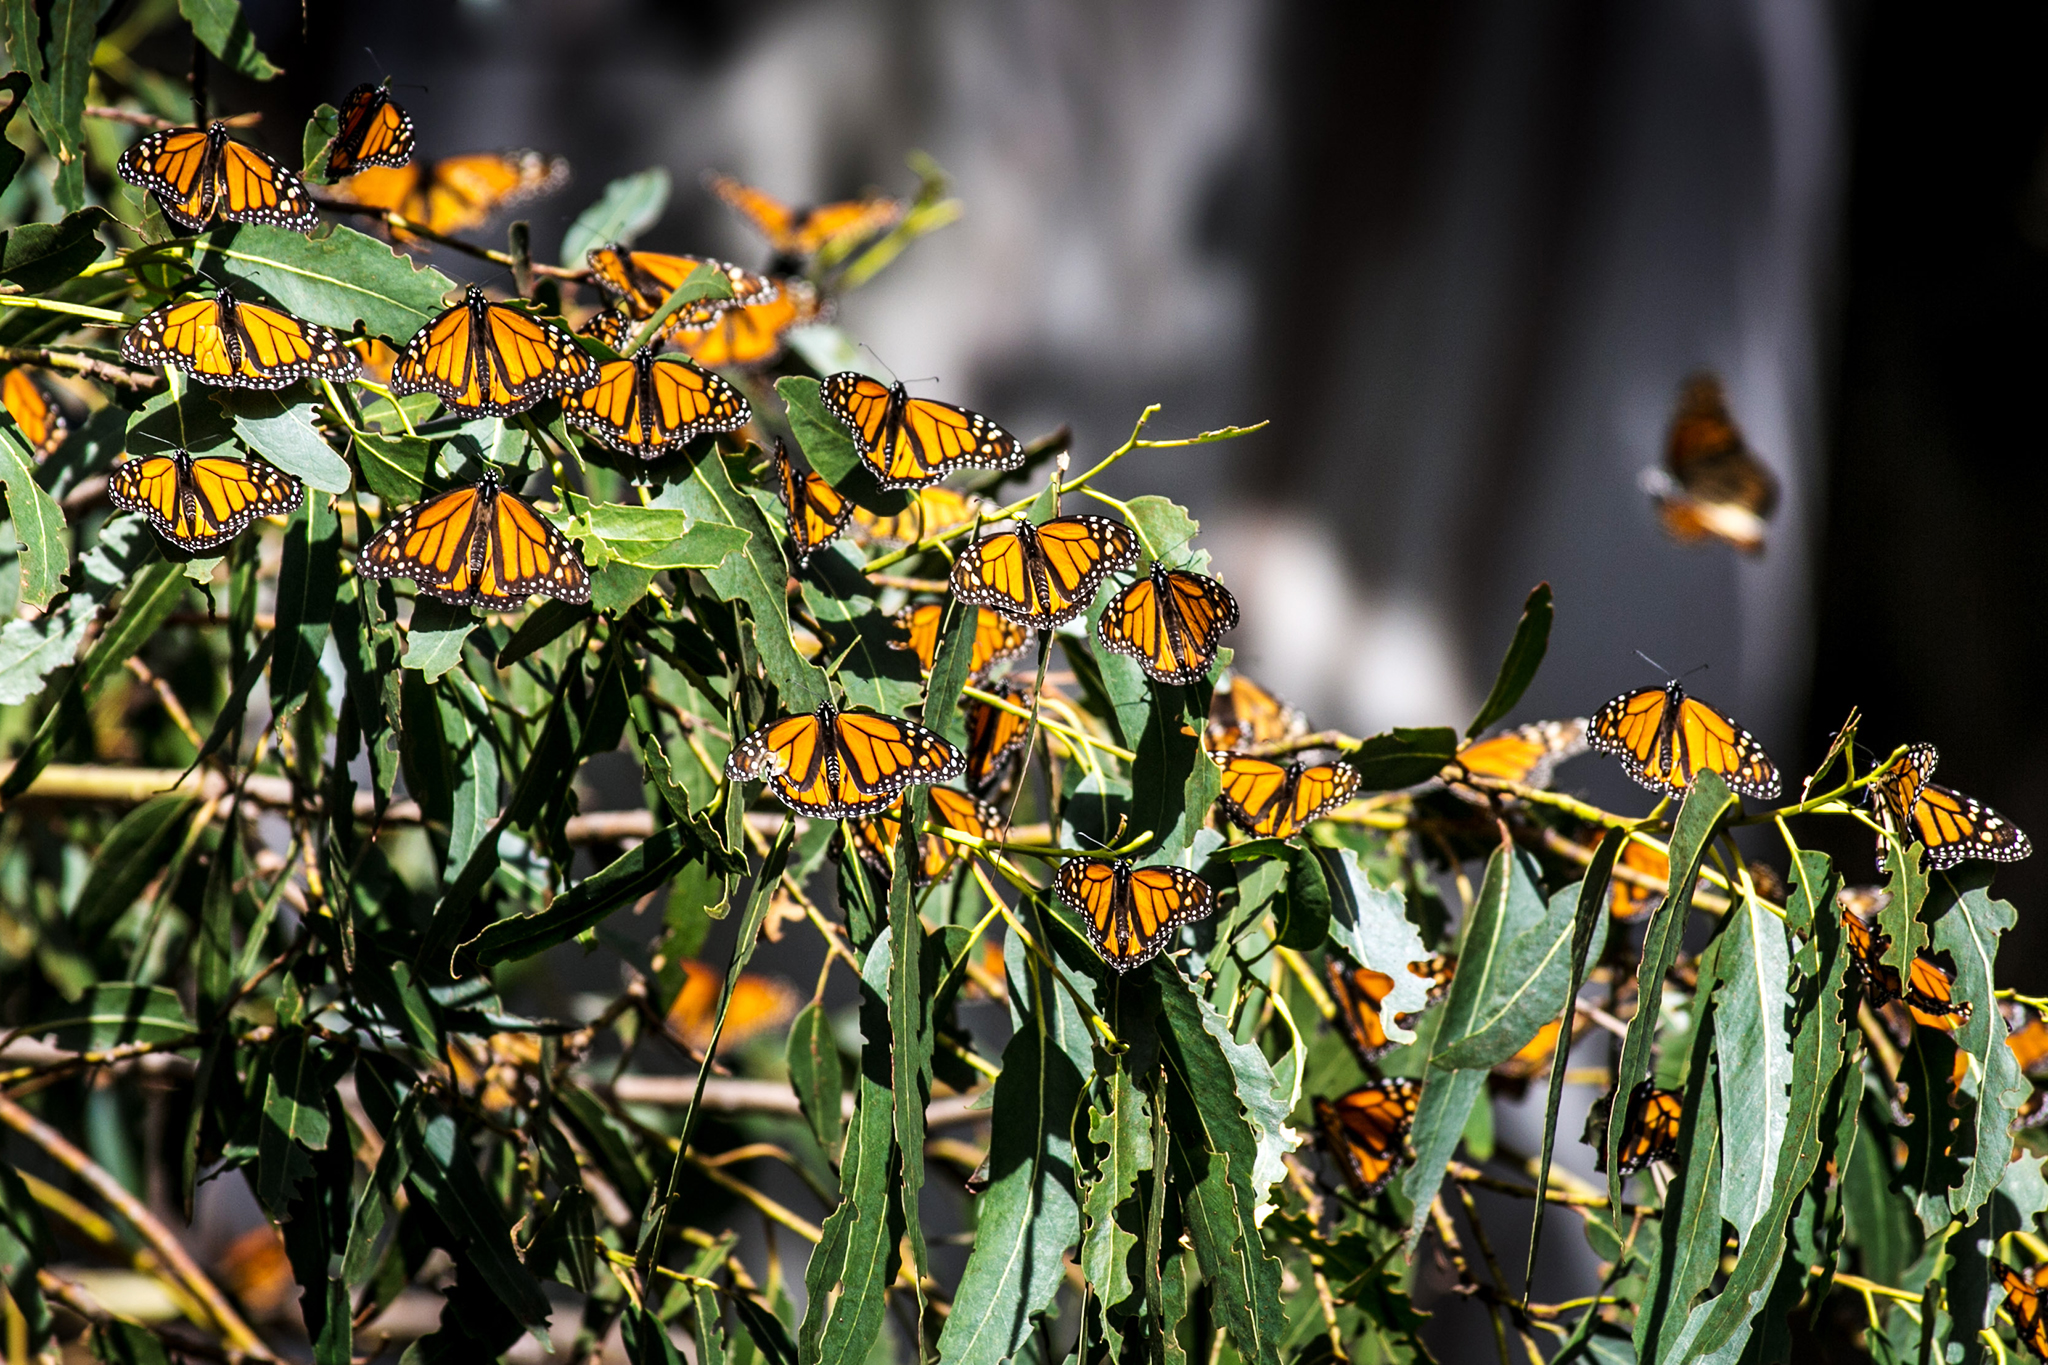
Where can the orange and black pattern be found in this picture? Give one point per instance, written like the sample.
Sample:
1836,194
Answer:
805,232
1630,900
996,640
651,404
1950,825
199,174
837,765
639,282
2023,1302
905,441
1929,991
1171,622
931,512
1712,484
1366,1130
813,509
754,334
1526,755
1665,739
1129,913
35,412
1655,1118
491,358
457,192
875,837
995,736
218,340
479,546
1358,991
1242,714
374,131
1044,574
1278,800
199,502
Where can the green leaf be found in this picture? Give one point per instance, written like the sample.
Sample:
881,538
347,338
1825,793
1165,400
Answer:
826,444
219,24
133,855
1754,1061
284,434
1524,994
1168,530
41,256
942,690
30,650
1265,1100
294,1116
1123,1133
117,1012
337,280
38,520
321,129
308,581
394,467
1402,757
843,604
1305,908
56,50
443,1173
473,762
910,1025
654,537
628,877
628,207
814,1074
1688,1250
435,636
1698,818
16,84
25,1248
120,1342
1968,923
1371,924
1524,657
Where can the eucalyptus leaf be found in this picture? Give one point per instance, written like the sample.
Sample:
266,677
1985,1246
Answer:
628,207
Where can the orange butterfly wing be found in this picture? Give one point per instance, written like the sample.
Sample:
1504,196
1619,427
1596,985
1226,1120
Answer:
374,131
41,422
1367,1130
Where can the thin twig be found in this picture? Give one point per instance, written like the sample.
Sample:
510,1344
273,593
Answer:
92,368
151,121
400,223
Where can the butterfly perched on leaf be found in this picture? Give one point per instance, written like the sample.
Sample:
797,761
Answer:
1171,622
1628,900
1366,1130
649,405
805,232
1950,825
1129,913
875,837
198,502
1043,574
219,340
479,545
907,441
1929,991
1358,991
996,735
1712,485
1665,739
199,174
1526,755
456,193
610,326
838,764
995,639
1651,1129
1277,800
932,511
752,335
2023,1302
373,131
639,282
491,358
759,1005
1242,714
35,412
813,509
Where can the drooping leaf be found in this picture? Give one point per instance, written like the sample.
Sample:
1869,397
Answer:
133,854
814,1074
443,1173
1371,924
284,434
1402,757
843,604
41,256
435,636
37,519
219,24
1524,657
53,43
1688,1249
630,876
628,207
1968,922
1123,1134
1534,968
825,443
308,581
1754,1062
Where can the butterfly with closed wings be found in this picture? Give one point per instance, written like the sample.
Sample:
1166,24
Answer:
875,837
372,131
2023,1302
838,765
1950,825
1366,1130
1358,991
35,412
1651,1128
480,546
996,735
814,511
1242,714
1929,989
199,502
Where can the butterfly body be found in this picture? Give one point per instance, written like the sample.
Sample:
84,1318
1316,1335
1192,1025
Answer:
374,131
995,639
649,405
875,837
813,509
218,340
36,414
1046,574
639,282
840,764
458,192
1129,913
1665,738
199,174
1366,1129
907,442
1171,622
199,502
1278,800
1928,992
1950,825
489,358
477,546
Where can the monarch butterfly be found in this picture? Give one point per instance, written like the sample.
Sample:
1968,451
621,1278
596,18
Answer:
1929,992
1628,900
874,837
995,736
477,546
1046,574
610,326
995,639
2033,1111
1526,755
1665,738
909,441
932,511
1951,826
1242,713
758,1004
197,502
376,355
838,764
1358,991
2027,1035
1712,484
1170,623
1655,1117
374,131
1128,913
639,282
2023,1301
219,340
815,511
1366,1130
1533,1058
649,405
458,192
1277,801
807,231
487,357
198,174
751,335
41,422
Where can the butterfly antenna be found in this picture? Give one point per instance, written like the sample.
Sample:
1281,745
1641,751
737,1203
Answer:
1653,663
879,361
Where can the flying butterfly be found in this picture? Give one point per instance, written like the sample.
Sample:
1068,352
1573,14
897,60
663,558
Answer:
802,232
199,174
1950,825
905,441
479,545
649,405
1665,739
1929,991
752,335
1358,991
995,736
1278,800
35,412
197,502
490,358
838,764
1712,484
875,837
1242,714
1171,622
219,340
1366,1130
1655,1117
1627,900
1526,755
639,282
1045,574
1129,913
456,193
758,1004
374,131
813,508
2023,1301
932,511
995,639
